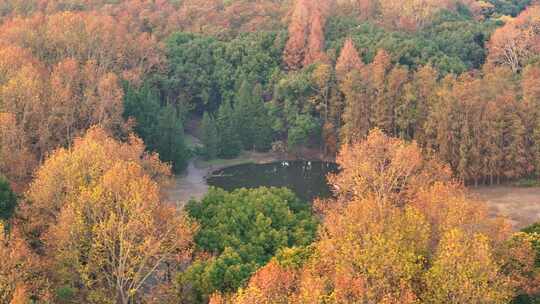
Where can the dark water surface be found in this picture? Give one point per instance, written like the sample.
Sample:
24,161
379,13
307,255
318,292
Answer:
305,178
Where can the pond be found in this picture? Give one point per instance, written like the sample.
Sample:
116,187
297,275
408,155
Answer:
305,178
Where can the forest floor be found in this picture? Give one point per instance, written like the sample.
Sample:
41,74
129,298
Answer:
521,205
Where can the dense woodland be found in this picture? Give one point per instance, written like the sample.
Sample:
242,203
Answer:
414,99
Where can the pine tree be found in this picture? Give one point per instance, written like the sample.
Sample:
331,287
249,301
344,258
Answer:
531,113
170,141
382,106
262,127
244,114
229,142
252,121
357,112
209,136
514,153
143,106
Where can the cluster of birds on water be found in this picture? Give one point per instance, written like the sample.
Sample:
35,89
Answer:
307,165
284,164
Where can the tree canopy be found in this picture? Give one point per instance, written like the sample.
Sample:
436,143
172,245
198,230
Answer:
242,230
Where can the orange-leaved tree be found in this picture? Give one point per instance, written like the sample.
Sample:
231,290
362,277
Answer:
517,41
306,34
67,171
386,168
21,273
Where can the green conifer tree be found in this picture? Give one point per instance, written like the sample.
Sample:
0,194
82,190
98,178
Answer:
252,119
244,115
170,140
210,137
262,124
229,141
143,105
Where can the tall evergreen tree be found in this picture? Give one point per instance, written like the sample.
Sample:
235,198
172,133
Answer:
170,140
210,137
262,126
229,142
357,110
252,120
244,114
143,105
382,105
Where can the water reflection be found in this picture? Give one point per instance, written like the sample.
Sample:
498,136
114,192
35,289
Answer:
305,178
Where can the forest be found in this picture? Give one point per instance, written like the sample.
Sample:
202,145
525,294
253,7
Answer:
415,100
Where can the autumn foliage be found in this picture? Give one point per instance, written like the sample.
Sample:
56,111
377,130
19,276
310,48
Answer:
61,74
16,279
87,200
408,15
517,41
413,99
306,34
348,60
123,208
384,168
438,246
78,167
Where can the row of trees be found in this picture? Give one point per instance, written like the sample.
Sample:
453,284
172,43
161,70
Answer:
476,123
164,17
228,18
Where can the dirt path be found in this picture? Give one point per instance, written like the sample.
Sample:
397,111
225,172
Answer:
190,185
520,205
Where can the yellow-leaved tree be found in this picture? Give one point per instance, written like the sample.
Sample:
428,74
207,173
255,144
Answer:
96,215
117,238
